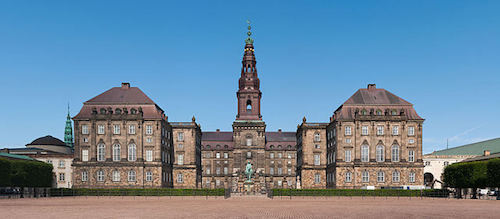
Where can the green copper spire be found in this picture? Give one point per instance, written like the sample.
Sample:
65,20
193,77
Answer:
68,131
249,39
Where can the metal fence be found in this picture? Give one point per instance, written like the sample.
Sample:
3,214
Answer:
23,192
324,193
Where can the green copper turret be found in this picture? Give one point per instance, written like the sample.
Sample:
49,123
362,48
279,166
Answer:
68,131
249,39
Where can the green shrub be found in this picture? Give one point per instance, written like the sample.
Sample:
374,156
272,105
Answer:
24,173
5,172
359,192
493,173
136,192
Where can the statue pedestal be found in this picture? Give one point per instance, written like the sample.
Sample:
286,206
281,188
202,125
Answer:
249,187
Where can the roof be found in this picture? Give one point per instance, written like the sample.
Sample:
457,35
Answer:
15,156
375,96
281,137
217,136
120,95
478,148
481,158
47,140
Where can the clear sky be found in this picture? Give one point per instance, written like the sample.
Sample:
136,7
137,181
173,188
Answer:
442,56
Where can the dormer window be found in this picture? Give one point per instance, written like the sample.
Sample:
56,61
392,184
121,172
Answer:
103,111
118,111
394,112
363,112
379,112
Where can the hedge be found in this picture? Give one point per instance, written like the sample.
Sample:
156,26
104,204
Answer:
478,174
136,192
23,173
360,192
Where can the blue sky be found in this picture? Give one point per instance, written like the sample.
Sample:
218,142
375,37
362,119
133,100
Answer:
442,56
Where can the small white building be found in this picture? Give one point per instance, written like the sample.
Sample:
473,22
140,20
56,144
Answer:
435,162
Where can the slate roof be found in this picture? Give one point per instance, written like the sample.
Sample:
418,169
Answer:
478,148
47,140
15,156
281,137
217,136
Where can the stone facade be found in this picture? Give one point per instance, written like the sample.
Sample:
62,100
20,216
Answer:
311,154
375,138
187,154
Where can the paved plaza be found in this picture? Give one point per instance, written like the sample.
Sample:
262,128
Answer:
247,207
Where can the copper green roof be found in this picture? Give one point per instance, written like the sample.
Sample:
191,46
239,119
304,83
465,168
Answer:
478,148
15,156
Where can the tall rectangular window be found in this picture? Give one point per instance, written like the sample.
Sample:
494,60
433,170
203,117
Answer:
149,155
217,170
132,152
364,130
411,131
149,176
180,146
348,177
317,160
217,155
412,177
271,170
131,176
85,176
116,176
365,151
100,152
116,129
348,130
85,129
131,129
116,152
317,178
149,130
226,170
85,155
380,130
61,177
100,129
411,156
271,155
226,155
280,171
208,170
395,130
280,155
100,175
289,171
365,176
180,159
348,156
180,136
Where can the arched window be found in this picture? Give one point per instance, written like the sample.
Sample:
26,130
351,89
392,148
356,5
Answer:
317,137
100,152
208,146
289,146
116,152
395,153
103,111
218,146
395,176
249,106
226,146
365,151
118,111
133,111
365,176
380,153
380,176
272,146
279,146
132,152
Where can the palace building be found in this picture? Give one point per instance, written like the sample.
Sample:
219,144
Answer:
123,139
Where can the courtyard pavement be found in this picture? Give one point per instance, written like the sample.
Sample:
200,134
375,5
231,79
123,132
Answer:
247,207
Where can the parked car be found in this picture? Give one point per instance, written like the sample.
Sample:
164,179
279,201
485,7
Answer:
493,193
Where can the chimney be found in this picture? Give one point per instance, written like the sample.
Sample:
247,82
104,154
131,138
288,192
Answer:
372,86
487,153
218,130
279,130
125,85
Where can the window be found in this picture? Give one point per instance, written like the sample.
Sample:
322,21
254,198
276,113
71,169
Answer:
280,155
85,129
317,137
217,155
317,178
289,171
226,170
411,131
208,170
116,129
394,112
348,177
180,146
217,170
317,160
280,171
348,140
347,155
131,176
149,155
411,141
132,152
180,159
49,161
271,155
379,112
380,153
364,130
412,177
280,182
208,155
411,156
365,176
85,176
85,155
131,129
249,154
180,136
116,176
100,152
271,170
348,130
380,130
380,176
395,153
149,130
100,129
149,140
395,130
249,141
427,163
446,163
100,175
61,176
365,153
226,155
85,140
217,182
317,146
116,152
149,176
395,176
289,155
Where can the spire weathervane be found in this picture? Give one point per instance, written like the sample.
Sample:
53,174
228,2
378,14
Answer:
249,39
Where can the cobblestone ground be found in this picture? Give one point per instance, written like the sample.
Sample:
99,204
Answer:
247,207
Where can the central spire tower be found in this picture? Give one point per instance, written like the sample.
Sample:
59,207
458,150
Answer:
249,85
